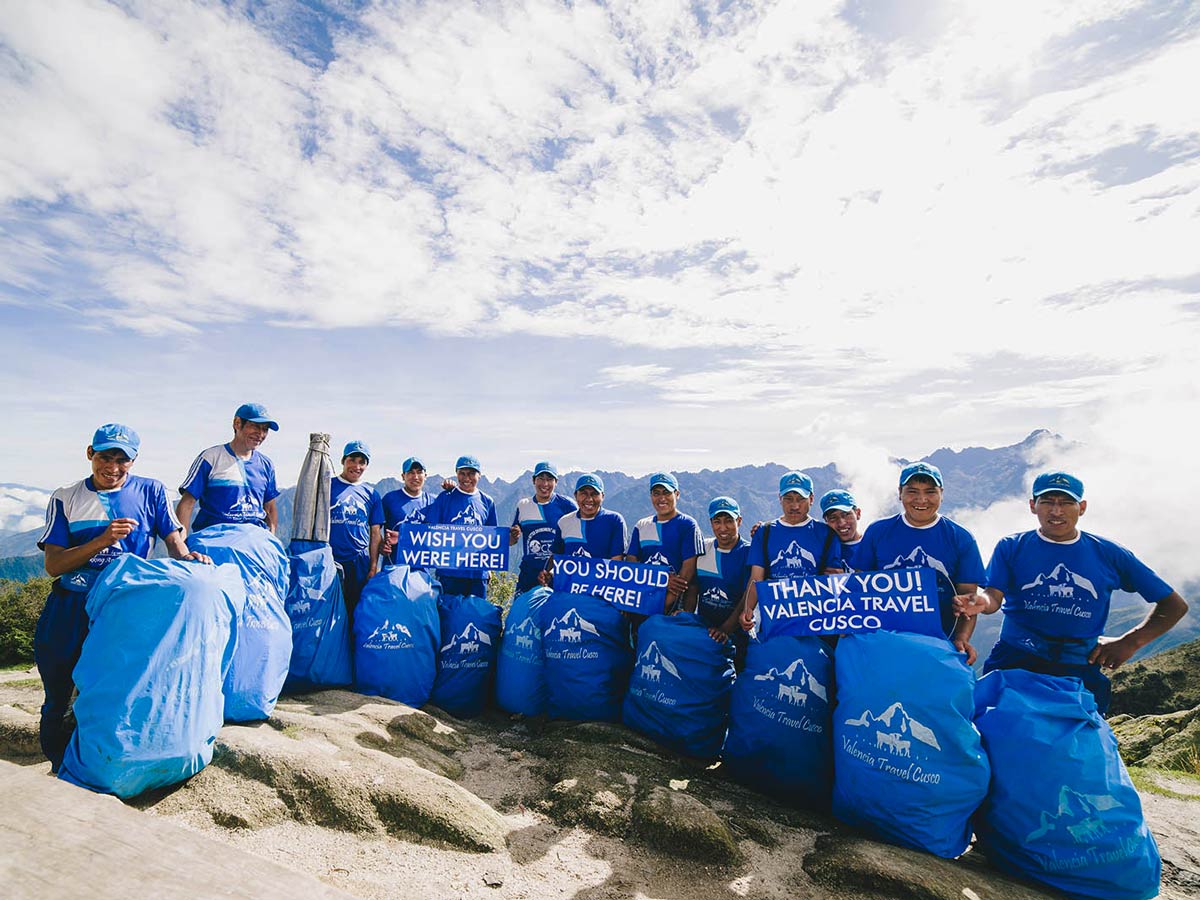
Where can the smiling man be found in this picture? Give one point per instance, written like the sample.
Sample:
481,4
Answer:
536,523
667,538
233,482
1056,585
405,504
841,513
463,505
89,525
590,531
355,521
922,537
722,572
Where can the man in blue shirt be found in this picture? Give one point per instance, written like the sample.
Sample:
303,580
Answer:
920,536
722,573
463,505
355,520
667,538
590,531
405,504
536,520
233,482
793,546
89,525
1056,584
841,513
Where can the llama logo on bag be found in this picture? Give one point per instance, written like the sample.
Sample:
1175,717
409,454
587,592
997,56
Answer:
390,637
466,650
569,629
259,591
889,742
918,558
652,665
791,697
794,556
1078,815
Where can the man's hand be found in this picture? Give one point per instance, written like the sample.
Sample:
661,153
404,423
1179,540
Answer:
1112,653
118,530
963,646
676,585
718,635
546,578
514,535
969,604
390,539
757,525
196,556
747,619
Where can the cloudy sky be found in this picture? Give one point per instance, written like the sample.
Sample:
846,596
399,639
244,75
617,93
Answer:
625,236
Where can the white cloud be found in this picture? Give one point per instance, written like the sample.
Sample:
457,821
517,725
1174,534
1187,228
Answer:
21,508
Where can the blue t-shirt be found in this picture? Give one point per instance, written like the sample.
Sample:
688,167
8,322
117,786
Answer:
1063,590
229,489
353,509
670,543
796,551
399,507
539,531
604,536
458,508
78,513
944,546
721,579
850,557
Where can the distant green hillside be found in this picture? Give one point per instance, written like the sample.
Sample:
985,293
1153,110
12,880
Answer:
1164,683
21,568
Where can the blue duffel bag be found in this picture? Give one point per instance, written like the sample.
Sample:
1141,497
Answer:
470,628
320,630
150,701
585,643
780,729
908,763
679,690
520,669
396,633
1061,809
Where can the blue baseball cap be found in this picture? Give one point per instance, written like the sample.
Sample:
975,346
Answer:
796,483
588,479
666,479
468,462
910,472
115,436
723,506
357,447
843,500
1054,481
413,462
545,468
256,412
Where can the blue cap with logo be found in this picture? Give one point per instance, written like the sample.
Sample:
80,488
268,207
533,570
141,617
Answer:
796,483
357,447
256,412
589,479
910,472
545,468
842,500
723,506
468,462
666,479
413,462
1058,481
115,436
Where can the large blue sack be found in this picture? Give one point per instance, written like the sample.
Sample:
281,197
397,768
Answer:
780,726
1061,809
585,643
320,630
150,674
396,633
470,628
520,670
908,763
263,631
679,690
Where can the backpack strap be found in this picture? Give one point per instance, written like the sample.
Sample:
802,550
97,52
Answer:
824,561
766,560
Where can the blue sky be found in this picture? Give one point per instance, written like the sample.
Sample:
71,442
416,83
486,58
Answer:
626,235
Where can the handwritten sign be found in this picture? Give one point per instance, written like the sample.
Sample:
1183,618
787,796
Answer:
894,600
632,587
453,547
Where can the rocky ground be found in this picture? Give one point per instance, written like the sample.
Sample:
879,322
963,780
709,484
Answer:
382,800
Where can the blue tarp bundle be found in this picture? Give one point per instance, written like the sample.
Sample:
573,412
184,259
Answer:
780,726
585,643
908,762
150,702
679,690
264,631
396,632
320,631
470,629
520,670
1061,809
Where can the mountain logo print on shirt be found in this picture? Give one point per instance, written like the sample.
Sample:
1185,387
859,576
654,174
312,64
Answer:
657,559
351,511
918,558
652,663
1061,583
1077,814
466,516
895,730
794,556
796,684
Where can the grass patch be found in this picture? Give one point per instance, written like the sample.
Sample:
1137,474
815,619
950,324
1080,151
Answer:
15,667
292,731
1147,781
22,683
